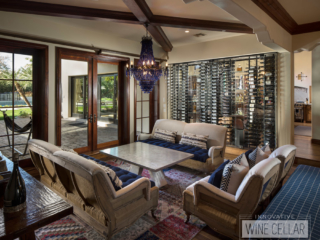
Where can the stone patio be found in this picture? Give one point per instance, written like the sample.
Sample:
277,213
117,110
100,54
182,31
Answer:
73,135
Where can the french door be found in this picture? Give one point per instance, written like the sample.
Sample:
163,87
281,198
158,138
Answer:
88,101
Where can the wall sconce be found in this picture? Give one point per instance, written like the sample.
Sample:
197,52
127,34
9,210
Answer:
301,76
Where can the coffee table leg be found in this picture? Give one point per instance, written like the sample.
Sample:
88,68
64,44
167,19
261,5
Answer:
158,178
136,169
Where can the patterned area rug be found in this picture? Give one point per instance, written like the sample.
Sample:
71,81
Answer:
170,216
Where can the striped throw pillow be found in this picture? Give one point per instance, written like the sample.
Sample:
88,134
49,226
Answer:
194,140
165,135
232,176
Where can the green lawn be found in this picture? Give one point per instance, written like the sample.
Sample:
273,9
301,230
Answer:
17,113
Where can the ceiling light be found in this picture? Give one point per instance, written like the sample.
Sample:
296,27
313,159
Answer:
147,71
186,31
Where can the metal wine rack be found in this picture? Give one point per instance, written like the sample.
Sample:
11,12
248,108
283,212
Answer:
238,93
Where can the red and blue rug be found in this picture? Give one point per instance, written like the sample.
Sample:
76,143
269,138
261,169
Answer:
170,216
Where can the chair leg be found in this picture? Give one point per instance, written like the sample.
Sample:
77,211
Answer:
188,217
152,214
25,150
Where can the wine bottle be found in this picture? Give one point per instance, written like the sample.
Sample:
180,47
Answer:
15,194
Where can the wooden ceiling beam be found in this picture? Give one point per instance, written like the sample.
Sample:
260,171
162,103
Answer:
58,10
306,28
143,13
200,24
278,13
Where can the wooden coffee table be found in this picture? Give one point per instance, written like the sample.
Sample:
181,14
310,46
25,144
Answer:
43,207
150,157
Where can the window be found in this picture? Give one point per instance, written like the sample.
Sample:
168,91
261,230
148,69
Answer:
16,102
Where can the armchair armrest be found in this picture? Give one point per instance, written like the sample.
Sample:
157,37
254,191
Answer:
215,153
141,183
144,136
214,193
213,149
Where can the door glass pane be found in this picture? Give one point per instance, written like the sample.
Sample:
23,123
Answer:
74,104
138,126
145,96
6,65
145,125
145,109
138,109
22,67
19,95
107,101
139,93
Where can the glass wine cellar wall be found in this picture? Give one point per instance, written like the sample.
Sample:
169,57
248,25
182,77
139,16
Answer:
238,93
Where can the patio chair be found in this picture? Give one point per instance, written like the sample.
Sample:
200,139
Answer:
15,128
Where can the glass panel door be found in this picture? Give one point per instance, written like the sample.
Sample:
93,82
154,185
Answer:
75,117
106,113
16,78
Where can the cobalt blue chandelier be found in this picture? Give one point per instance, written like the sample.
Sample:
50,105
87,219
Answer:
147,72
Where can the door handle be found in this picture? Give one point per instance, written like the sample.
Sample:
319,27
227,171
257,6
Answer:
95,118
90,118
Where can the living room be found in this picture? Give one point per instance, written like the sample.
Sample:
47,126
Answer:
184,110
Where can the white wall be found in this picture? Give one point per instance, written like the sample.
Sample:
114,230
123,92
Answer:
70,68
315,93
303,63
227,47
43,27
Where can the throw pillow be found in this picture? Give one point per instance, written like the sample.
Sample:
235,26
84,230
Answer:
165,135
247,153
194,140
241,160
215,178
266,149
63,148
256,156
232,176
112,175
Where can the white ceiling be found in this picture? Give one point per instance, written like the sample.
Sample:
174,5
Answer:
302,11
177,8
177,36
204,10
197,10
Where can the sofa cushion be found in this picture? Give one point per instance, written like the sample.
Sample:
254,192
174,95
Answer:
165,135
194,140
215,178
125,176
232,176
199,154
217,134
171,125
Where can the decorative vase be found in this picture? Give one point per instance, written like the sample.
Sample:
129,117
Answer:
15,194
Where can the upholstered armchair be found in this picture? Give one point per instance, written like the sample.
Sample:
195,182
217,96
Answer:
89,189
286,154
216,142
220,210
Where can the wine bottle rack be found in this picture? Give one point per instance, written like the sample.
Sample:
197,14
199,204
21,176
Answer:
238,93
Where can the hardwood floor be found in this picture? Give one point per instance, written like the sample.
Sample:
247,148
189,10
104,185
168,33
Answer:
307,152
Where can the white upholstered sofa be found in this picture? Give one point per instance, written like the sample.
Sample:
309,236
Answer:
89,189
216,144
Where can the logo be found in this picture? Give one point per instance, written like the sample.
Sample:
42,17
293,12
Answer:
275,226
